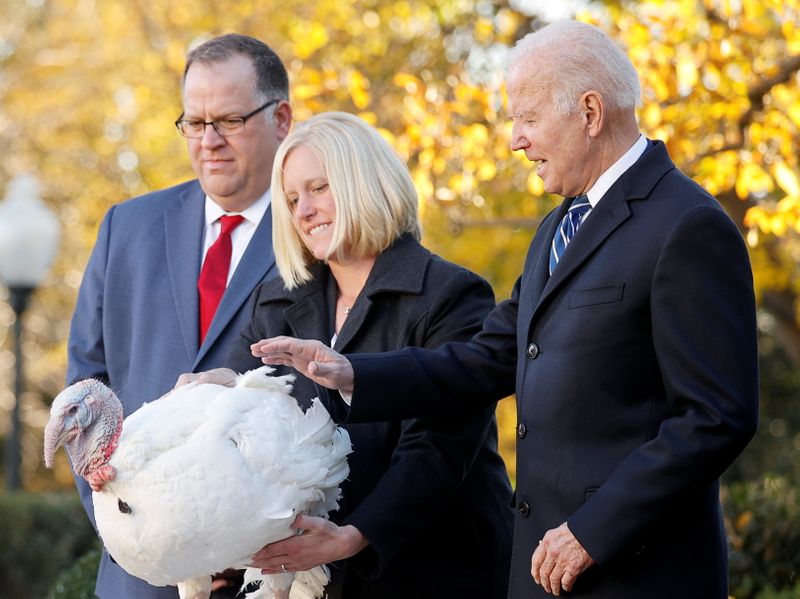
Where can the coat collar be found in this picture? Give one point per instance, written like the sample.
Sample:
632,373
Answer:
400,269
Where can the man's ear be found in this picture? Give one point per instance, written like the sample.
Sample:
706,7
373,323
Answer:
593,112
283,119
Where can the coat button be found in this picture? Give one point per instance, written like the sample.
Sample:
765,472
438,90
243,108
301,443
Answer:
533,351
524,509
522,430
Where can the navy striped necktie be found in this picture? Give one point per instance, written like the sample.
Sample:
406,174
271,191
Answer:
578,209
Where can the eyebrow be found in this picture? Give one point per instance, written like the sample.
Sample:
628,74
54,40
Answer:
227,115
521,114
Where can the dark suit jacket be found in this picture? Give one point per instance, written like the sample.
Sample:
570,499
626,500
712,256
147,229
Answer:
136,320
432,497
635,371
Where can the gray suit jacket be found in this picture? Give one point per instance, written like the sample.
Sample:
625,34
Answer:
136,320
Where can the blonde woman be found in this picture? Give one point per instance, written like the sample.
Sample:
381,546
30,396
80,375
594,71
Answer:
426,510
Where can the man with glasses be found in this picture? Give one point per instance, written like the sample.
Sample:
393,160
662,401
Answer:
167,286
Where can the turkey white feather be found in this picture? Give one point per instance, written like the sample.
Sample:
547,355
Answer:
203,477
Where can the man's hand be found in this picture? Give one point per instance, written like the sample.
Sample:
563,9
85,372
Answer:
559,560
319,542
216,376
311,358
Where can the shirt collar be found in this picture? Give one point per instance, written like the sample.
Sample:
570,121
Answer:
616,170
253,213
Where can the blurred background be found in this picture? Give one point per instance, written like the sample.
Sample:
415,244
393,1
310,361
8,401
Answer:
89,90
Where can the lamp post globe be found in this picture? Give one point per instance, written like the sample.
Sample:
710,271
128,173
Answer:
29,233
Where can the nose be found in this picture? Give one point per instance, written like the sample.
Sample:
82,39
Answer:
211,139
304,208
518,139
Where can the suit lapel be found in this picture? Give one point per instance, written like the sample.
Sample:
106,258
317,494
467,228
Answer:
540,260
612,210
609,214
257,261
183,234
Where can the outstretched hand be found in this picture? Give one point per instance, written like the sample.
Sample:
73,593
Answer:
311,358
318,542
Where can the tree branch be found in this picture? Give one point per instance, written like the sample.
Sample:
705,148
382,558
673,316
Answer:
787,68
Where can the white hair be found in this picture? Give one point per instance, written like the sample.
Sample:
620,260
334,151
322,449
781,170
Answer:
571,58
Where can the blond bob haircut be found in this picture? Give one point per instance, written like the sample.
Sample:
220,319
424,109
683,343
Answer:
375,199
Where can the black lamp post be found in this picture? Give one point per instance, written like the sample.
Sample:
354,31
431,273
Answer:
29,234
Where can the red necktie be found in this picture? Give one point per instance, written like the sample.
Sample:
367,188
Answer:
214,274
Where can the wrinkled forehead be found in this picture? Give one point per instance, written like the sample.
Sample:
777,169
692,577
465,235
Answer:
527,98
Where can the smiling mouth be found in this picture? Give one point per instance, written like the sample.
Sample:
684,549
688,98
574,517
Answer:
314,230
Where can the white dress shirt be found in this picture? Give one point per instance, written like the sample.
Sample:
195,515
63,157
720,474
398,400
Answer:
616,170
241,235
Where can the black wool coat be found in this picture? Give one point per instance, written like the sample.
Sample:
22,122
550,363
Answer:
636,375
431,496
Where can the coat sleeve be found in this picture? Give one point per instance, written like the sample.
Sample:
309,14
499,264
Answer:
86,352
414,382
704,335
435,454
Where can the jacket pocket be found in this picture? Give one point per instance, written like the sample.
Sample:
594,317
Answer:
598,295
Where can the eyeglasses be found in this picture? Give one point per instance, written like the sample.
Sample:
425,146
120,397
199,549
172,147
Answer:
232,125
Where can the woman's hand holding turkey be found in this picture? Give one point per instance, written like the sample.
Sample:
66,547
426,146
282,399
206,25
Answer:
319,541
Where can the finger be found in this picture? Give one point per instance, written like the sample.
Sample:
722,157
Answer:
536,563
568,580
313,524
275,552
555,582
273,360
544,573
183,379
556,574
274,345
221,583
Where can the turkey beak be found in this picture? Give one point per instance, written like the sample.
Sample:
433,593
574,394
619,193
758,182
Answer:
54,437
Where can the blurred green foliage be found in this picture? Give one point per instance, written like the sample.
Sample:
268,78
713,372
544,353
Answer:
763,522
775,450
77,581
42,535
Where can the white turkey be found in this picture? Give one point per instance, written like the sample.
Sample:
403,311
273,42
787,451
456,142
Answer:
205,476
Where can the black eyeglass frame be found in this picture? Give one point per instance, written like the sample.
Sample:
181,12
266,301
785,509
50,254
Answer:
180,120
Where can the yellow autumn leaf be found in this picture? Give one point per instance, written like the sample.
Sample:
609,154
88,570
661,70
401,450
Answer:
535,184
309,37
786,178
408,82
744,520
651,116
752,179
487,170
